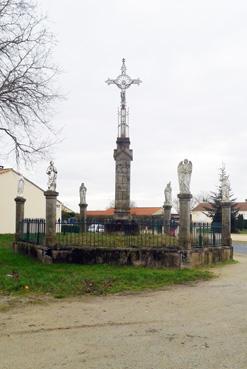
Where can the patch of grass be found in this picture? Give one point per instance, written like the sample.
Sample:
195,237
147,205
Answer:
6,240
21,275
223,263
113,240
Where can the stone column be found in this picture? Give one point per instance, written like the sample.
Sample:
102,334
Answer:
51,212
167,217
20,201
83,217
184,236
226,224
123,157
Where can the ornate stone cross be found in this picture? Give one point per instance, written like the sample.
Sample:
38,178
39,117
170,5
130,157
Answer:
123,81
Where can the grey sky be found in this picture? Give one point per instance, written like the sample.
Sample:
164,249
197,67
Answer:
192,59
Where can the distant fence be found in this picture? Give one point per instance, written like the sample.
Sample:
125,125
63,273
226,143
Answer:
206,234
109,233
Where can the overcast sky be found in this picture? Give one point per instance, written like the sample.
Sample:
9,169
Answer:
192,58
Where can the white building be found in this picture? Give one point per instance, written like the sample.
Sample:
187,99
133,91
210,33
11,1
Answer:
34,195
198,213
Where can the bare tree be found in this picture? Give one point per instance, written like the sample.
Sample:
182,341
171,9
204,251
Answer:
26,79
201,197
175,204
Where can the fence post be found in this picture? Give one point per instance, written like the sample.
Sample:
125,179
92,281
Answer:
184,236
38,232
19,217
167,218
83,217
226,223
51,210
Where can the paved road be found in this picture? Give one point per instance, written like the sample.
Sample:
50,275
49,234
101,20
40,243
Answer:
240,248
200,326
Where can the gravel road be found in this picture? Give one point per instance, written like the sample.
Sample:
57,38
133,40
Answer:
201,326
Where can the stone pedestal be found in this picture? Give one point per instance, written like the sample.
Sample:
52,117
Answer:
184,237
20,202
83,217
123,157
167,217
226,224
51,212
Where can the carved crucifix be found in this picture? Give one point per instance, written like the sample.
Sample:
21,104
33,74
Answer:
123,81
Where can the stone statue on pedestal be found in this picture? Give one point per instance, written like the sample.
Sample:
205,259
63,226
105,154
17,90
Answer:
184,175
52,177
83,191
168,194
20,187
225,185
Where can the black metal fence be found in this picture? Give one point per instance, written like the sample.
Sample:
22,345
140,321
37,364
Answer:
109,233
206,234
33,231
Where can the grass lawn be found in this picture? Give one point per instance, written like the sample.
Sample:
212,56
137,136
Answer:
22,275
98,239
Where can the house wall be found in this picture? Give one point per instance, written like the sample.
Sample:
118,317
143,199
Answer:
8,188
34,205
200,217
244,213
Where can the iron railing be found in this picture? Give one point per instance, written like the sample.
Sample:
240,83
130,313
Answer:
109,233
206,234
33,231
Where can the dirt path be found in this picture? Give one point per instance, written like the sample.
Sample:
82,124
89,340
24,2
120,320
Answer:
202,326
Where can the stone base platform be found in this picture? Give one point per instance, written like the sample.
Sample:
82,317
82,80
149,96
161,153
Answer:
211,255
148,257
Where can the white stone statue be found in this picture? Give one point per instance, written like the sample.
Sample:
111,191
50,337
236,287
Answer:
20,186
83,191
184,175
52,177
168,194
225,185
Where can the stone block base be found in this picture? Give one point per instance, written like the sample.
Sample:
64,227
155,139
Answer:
148,257
211,255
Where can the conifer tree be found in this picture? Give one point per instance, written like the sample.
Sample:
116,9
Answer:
214,209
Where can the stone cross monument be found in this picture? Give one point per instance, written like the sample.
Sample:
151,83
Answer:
123,155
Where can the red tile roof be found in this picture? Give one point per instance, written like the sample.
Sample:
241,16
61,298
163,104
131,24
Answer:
143,211
202,206
242,206
98,213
